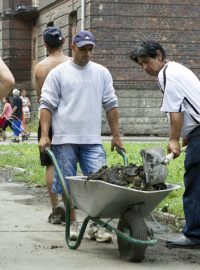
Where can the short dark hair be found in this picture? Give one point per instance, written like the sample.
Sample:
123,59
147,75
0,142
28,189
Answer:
49,24
7,99
147,49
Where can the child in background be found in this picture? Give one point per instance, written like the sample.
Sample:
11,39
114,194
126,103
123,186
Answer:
26,104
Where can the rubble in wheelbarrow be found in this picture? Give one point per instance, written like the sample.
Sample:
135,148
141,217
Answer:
131,176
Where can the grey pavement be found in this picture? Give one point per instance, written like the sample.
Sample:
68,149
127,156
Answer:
28,241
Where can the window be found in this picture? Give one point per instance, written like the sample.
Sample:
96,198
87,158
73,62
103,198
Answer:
72,29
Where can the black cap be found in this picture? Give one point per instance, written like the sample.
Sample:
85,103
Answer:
53,36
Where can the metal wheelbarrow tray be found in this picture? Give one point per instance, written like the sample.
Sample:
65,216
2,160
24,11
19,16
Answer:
101,200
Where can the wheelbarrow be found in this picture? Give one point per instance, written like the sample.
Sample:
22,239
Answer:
101,200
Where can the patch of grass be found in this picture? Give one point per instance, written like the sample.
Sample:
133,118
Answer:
26,156
33,124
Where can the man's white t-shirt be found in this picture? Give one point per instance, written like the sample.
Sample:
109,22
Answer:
181,93
75,95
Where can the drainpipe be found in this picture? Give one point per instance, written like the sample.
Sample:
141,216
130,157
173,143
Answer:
35,3
82,14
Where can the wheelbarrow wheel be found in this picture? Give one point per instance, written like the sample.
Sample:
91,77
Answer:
132,224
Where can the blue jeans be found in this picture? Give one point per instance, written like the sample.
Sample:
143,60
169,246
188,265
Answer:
91,157
191,196
16,127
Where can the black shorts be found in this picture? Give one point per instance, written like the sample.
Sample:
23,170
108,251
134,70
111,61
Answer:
45,160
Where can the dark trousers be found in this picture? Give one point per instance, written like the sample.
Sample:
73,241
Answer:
8,123
191,196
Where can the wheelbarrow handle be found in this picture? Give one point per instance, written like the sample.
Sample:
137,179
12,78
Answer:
170,156
122,153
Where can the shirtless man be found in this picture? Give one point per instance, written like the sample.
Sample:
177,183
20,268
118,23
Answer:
6,79
53,41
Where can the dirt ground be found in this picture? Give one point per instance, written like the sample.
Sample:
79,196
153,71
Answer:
156,254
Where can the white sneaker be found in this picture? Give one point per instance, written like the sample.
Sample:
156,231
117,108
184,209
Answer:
74,231
99,234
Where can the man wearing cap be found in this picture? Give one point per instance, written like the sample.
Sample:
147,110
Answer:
72,98
53,41
6,79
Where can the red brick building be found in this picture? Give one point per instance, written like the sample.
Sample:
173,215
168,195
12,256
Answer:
118,26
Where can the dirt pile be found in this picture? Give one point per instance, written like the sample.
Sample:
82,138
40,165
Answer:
131,176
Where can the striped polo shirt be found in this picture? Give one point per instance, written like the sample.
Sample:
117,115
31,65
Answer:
181,93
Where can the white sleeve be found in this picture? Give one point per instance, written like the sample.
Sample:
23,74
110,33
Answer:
109,97
173,97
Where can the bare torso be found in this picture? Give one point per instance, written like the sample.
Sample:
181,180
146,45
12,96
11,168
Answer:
45,66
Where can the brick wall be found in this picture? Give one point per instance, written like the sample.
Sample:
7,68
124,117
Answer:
121,25
59,13
20,50
16,45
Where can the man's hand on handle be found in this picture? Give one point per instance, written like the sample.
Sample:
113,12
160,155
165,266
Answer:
116,142
174,147
44,143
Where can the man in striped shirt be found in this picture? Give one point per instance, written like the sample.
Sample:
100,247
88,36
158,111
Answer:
181,100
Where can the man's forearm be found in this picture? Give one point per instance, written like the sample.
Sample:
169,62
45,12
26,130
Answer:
45,122
113,121
176,122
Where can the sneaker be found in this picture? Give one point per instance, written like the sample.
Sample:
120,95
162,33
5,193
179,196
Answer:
182,242
54,218
99,234
58,214
23,138
15,140
27,136
60,210
74,231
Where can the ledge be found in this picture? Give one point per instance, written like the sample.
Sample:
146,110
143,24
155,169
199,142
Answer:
26,13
